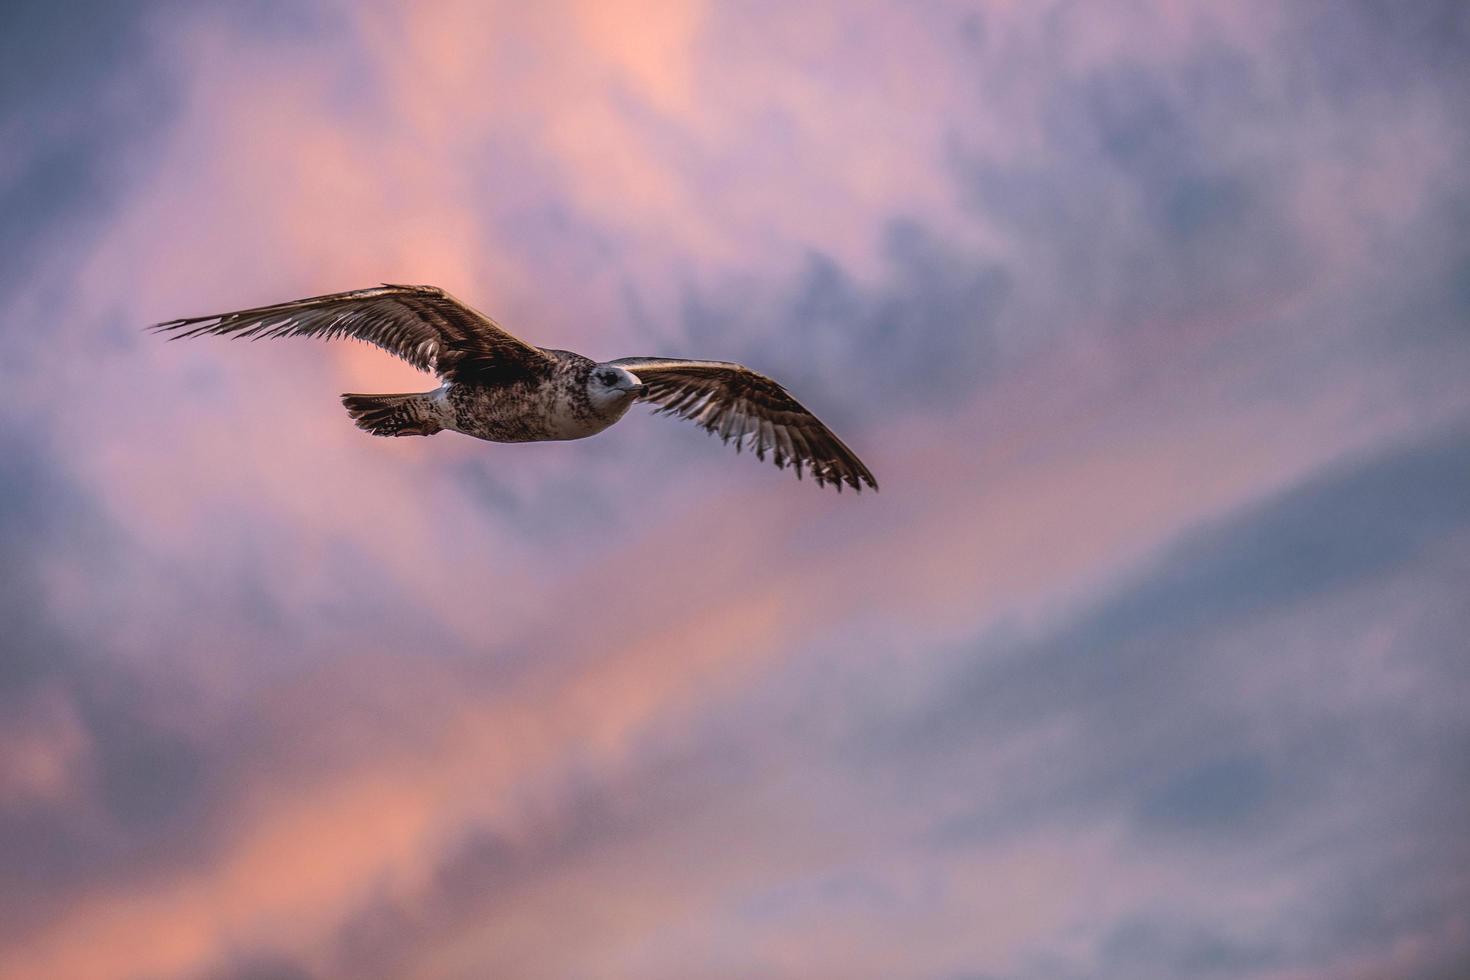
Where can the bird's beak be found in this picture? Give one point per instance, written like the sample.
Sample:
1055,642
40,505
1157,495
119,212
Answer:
637,390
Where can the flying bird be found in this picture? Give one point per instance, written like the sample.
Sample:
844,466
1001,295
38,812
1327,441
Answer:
500,388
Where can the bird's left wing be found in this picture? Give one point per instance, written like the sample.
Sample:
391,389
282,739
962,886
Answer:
737,403
423,325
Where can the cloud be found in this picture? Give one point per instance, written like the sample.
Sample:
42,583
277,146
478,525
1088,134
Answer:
83,742
1153,315
259,967
1222,703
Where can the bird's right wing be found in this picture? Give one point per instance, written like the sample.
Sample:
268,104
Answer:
423,325
740,404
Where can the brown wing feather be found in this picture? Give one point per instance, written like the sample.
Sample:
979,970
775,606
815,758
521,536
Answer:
737,403
423,325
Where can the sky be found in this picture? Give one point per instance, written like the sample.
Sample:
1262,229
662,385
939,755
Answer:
1149,659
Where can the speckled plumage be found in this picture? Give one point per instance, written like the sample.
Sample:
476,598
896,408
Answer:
549,408
499,388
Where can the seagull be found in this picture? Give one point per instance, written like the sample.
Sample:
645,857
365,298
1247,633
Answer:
497,387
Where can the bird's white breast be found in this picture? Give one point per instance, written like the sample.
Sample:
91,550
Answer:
571,418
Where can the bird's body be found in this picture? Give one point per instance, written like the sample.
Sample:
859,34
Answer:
501,389
554,407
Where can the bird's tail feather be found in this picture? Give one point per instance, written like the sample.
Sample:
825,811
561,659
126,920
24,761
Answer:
411,414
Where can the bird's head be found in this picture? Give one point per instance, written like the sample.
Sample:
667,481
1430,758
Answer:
611,388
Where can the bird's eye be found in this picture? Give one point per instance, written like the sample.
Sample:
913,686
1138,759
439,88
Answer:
609,379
